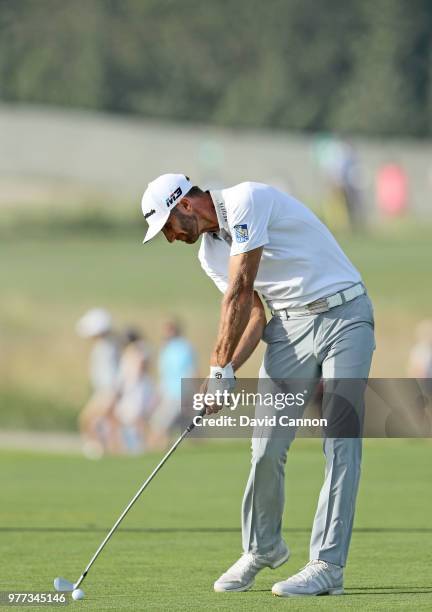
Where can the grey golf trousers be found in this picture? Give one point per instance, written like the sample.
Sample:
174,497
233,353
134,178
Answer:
335,344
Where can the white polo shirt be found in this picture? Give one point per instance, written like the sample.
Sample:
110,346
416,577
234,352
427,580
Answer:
301,261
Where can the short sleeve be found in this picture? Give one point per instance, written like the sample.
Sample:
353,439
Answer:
214,259
248,220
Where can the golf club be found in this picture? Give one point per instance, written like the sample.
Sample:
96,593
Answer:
61,584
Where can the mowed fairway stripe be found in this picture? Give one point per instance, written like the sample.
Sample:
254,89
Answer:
383,530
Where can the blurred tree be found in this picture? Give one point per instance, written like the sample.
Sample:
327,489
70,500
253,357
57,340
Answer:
50,53
347,65
387,89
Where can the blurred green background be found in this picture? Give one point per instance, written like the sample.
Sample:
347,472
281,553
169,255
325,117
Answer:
47,282
97,98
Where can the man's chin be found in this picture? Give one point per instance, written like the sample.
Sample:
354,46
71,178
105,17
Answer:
191,239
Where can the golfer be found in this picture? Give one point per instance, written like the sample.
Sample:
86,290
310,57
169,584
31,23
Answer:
260,243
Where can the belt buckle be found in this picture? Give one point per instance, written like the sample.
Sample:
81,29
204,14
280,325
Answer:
318,306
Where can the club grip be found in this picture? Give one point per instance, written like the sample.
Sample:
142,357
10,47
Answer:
200,415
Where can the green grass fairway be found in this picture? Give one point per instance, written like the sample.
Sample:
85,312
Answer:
185,529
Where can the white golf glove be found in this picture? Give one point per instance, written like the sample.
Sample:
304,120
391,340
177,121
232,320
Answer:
220,379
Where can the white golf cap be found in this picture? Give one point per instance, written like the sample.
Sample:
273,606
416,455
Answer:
160,197
95,322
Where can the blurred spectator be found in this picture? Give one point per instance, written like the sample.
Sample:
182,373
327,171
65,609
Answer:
96,419
137,396
341,167
420,358
392,189
177,360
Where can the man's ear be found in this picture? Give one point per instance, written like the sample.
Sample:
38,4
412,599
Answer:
185,204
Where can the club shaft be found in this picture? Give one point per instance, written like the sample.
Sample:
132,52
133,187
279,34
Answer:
136,496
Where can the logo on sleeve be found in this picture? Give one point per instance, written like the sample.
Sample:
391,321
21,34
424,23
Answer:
241,232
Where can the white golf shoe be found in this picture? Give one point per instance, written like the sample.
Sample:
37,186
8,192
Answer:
316,578
241,575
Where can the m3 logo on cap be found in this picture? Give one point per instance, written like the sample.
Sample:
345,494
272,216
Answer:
241,232
149,213
174,196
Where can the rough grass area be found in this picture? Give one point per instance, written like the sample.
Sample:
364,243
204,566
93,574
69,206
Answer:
184,531
49,281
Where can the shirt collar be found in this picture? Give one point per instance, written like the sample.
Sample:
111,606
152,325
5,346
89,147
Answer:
220,208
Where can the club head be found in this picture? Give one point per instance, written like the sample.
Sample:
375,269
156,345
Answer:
61,584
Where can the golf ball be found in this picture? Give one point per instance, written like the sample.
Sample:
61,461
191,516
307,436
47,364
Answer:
78,594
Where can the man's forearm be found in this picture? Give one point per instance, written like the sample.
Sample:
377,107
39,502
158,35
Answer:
248,343
251,335
237,305
235,316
